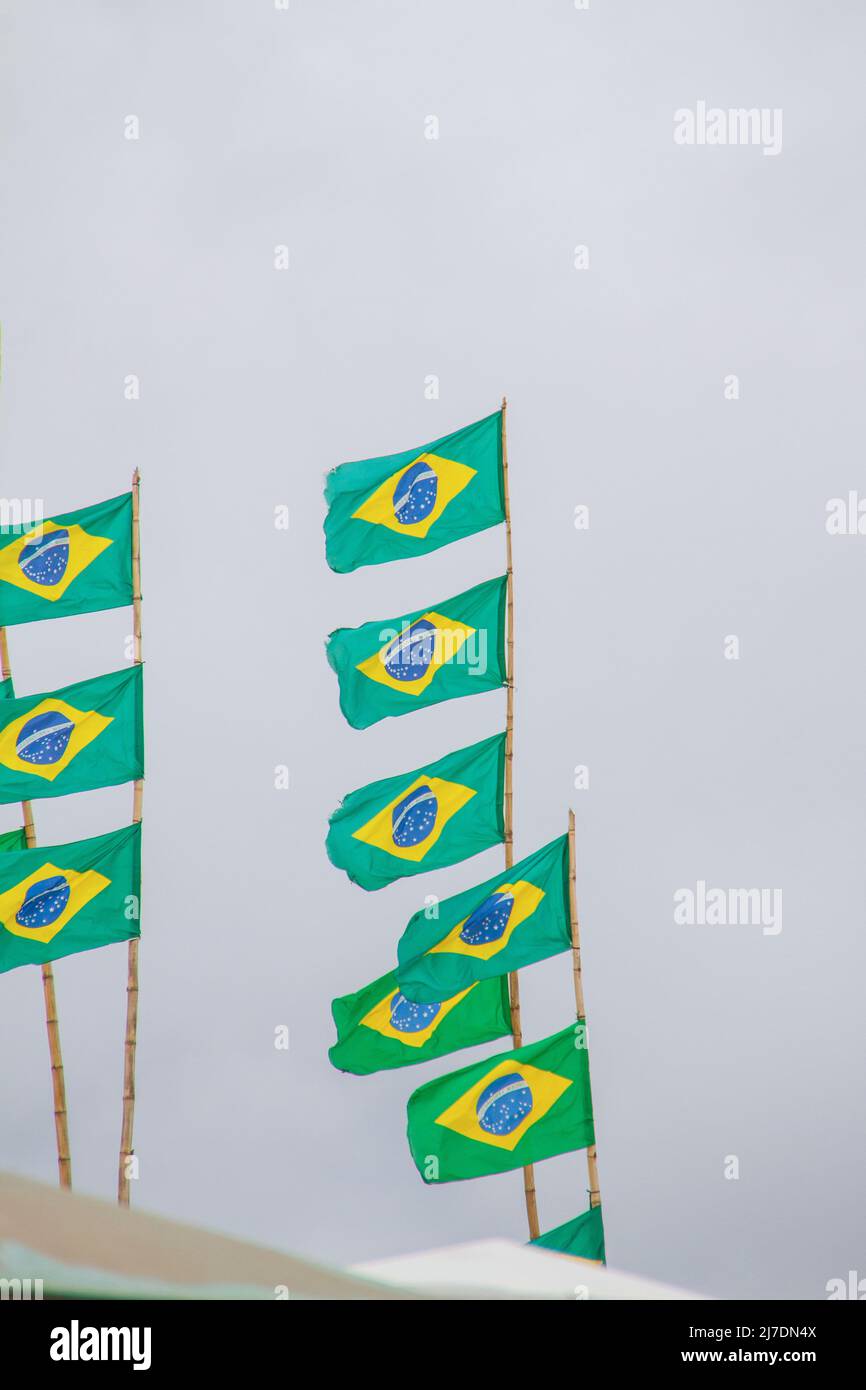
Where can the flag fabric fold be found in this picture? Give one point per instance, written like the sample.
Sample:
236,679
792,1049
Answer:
82,736
439,814
407,504
378,1028
508,1111
515,919
80,562
59,900
396,665
583,1237
13,839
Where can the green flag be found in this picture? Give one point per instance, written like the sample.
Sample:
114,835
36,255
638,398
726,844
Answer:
583,1237
407,504
512,920
13,839
516,1108
7,689
378,1027
76,563
396,665
82,736
440,813
68,898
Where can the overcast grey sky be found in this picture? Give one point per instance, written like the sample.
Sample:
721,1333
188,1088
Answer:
454,257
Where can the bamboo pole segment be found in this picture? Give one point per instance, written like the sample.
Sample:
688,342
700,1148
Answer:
131,1035
58,1079
508,807
591,1152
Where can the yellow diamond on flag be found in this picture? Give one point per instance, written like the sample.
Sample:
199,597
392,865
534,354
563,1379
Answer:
428,642
48,558
526,898
411,824
414,1024
45,740
507,1101
42,904
412,500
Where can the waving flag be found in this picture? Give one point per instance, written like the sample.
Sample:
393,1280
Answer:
505,1112
379,1028
407,504
520,917
583,1237
67,898
13,839
76,563
441,813
7,689
85,735
397,665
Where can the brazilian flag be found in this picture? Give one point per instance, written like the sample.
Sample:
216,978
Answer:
13,839
396,665
439,814
82,736
7,689
402,505
379,1028
583,1237
515,919
80,562
505,1112
55,902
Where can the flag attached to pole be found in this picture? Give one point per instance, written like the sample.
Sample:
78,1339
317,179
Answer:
439,814
505,1112
379,1028
583,1237
67,898
80,562
396,665
7,689
513,920
74,739
13,839
402,505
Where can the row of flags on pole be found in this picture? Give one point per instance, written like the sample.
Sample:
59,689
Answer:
61,899
448,990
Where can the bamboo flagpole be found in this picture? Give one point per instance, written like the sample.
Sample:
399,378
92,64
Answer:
513,982
591,1152
131,1036
58,1080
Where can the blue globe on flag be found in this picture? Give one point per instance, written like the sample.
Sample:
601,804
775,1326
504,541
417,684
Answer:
415,494
504,1104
